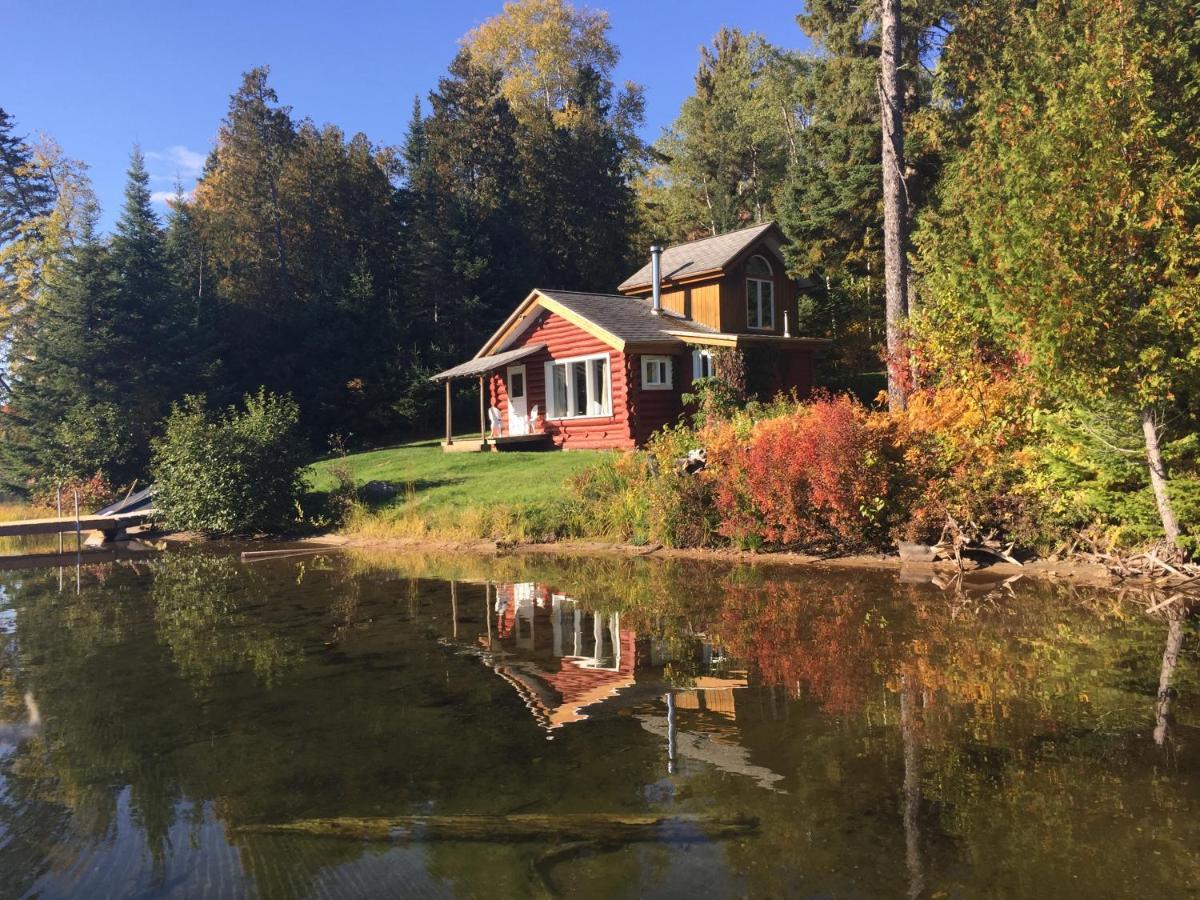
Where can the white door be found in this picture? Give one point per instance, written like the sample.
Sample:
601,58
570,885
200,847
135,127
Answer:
518,409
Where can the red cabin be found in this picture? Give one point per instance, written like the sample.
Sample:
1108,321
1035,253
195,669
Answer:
581,370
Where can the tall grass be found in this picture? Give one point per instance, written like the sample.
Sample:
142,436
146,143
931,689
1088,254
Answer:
12,512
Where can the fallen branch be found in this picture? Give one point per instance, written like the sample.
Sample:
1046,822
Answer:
618,828
1165,603
250,555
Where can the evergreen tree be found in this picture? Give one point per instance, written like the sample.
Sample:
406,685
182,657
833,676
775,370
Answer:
196,344
723,161
144,331
240,212
62,422
467,224
26,191
576,197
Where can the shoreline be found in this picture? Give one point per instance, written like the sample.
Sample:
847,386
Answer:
1060,571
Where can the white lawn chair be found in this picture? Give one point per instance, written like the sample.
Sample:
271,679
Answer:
494,419
533,417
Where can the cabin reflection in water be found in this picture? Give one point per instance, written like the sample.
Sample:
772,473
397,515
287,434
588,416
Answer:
569,664
560,658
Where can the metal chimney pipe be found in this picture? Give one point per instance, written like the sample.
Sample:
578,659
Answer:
656,279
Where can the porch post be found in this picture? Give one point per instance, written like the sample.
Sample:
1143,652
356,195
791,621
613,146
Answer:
449,432
482,412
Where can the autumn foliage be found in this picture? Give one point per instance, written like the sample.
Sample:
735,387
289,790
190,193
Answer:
819,475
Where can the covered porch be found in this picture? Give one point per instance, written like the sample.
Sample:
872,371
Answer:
494,434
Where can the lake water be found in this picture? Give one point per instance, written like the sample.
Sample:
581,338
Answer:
873,737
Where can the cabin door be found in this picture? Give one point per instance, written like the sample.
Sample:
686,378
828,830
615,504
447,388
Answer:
518,407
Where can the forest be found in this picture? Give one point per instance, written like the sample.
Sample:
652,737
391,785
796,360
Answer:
1038,318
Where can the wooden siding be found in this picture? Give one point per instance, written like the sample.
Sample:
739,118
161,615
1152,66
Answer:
564,340
720,300
733,294
699,302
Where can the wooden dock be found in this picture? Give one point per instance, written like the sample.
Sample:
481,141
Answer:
109,525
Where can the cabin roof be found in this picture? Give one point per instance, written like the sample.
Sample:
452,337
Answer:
711,254
628,319
487,363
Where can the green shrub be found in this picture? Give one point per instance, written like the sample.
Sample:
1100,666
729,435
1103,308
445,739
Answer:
233,472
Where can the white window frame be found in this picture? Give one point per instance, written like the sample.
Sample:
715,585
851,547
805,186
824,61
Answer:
656,383
700,357
754,294
594,410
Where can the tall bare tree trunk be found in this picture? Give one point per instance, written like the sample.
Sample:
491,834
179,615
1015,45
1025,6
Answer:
909,697
895,217
1162,706
1158,476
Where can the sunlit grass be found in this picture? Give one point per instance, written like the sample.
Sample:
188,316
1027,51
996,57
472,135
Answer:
13,512
511,495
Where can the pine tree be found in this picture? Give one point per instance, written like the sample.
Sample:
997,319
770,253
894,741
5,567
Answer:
145,323
26,191
724,159
62,422
469,225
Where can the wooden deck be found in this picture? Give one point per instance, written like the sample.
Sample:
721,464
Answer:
67,524
537,441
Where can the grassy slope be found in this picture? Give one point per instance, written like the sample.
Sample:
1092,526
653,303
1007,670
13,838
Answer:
454,494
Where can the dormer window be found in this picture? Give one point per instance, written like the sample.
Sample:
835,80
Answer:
760,294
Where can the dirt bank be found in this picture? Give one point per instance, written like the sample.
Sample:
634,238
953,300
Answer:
1074,572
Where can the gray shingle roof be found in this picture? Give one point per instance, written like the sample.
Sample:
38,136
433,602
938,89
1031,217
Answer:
694,257
627,318
487,363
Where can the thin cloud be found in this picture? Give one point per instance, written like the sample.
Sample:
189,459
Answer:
166,197
183,163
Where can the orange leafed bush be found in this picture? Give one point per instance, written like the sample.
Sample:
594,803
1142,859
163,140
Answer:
964,448
819,475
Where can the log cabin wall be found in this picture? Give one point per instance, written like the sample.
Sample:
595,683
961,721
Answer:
564,340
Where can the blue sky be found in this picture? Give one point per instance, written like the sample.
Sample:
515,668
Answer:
113,73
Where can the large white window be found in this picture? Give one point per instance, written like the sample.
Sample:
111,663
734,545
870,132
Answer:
704,364
578,388
760,294
656,373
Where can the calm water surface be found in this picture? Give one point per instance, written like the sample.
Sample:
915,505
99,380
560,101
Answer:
889,739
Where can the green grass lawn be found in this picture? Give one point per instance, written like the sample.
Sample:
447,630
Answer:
453,494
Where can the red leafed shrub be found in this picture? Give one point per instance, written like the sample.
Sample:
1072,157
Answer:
94,493
820,475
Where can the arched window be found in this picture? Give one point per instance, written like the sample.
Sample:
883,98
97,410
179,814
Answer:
760,294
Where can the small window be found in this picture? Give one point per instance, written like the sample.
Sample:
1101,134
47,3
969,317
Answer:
704,364
760,294
599,390
656,372
516,385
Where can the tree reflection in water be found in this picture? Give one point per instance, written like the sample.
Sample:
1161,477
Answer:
889,739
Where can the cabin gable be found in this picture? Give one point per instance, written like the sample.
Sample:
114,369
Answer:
718,299
566,341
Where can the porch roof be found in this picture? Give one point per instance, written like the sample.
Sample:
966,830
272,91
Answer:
485,364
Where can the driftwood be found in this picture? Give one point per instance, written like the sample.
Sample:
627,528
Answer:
957,539
251,555
606,828
1163,564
